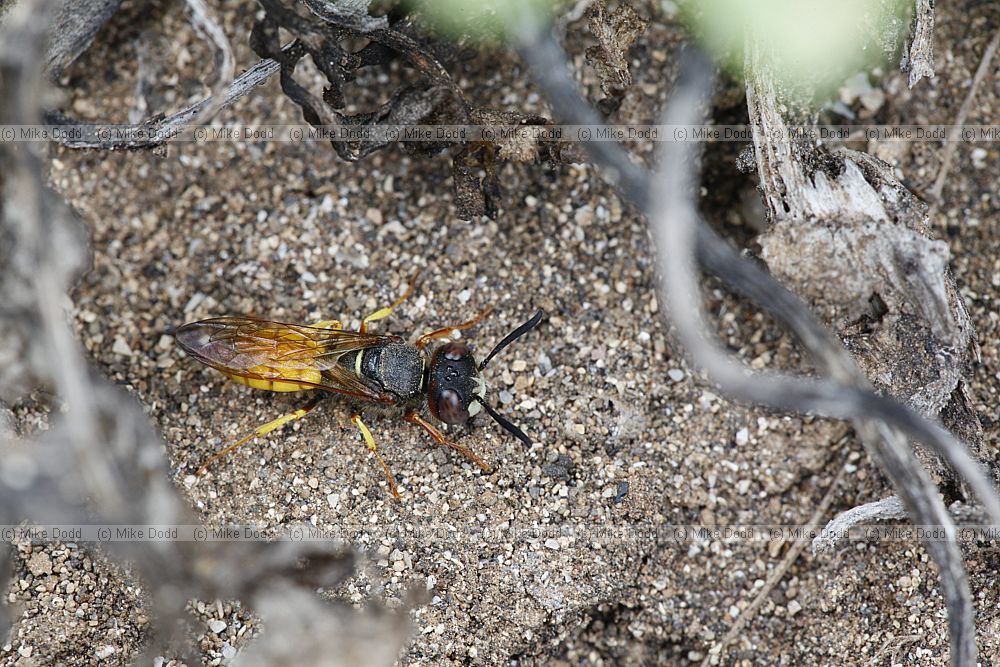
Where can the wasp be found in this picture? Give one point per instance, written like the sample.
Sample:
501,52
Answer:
367,367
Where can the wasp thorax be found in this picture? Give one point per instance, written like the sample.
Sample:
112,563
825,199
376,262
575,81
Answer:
453,383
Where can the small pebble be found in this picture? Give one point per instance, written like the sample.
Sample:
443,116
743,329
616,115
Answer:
217,626
121,347
40,564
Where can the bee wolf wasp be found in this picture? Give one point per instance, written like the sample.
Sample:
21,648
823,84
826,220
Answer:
379,369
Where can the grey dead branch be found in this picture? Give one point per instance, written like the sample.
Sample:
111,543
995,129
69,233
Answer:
849,238
101,461
917,58
792,193
73,28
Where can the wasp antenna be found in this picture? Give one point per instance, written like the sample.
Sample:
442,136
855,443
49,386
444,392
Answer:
504,422
511,337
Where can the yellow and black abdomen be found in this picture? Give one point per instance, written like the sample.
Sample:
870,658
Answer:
291,380
272,358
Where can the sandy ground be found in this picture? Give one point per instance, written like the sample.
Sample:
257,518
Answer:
625,436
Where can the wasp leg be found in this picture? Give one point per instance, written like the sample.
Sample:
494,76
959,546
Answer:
370,441
439,438
334,325
263,430
382,313
447,331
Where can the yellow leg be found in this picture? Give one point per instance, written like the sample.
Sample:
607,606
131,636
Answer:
448,331
439,438
263,430
335,325
382,313
370,441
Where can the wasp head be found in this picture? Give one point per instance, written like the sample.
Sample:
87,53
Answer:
455,388
453,384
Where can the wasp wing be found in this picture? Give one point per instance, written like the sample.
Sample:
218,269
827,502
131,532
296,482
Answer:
258,349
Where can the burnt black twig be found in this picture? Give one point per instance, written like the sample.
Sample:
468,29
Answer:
432,97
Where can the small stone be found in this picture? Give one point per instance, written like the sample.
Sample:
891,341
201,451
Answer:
228,651
217,626
374,216
518,365
40,564
544,362
742,437
121,347
794,607
552,543
676,374
105,651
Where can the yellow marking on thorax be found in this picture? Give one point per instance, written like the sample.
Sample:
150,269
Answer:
357,363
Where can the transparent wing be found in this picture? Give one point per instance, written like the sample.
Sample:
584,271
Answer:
259,349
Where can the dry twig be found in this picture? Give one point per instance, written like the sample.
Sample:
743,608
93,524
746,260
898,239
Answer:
681,238
948,153
778,573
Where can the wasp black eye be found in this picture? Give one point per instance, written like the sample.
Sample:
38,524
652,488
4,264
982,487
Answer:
452,383
447,406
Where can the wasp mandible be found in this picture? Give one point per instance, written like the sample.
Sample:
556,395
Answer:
382,369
